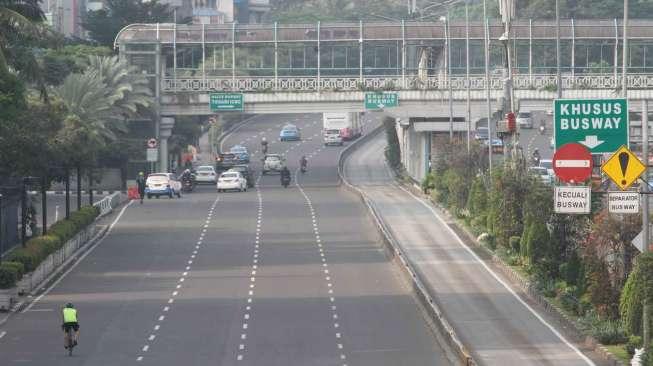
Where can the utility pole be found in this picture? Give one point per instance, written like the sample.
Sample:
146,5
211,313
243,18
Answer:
448,71
469,107
487,90
624,80
558,74
645,216
2,251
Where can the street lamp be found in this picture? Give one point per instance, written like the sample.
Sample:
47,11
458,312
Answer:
507,85
447,51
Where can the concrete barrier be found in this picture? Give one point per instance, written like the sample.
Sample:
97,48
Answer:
393,250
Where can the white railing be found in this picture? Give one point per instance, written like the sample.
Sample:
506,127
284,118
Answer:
107,204
353,83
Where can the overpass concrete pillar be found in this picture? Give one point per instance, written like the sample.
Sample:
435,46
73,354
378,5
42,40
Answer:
165,130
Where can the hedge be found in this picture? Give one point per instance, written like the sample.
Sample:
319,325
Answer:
10,272
29,257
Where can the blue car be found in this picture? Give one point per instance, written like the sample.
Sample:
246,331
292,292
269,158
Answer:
290,133
241,153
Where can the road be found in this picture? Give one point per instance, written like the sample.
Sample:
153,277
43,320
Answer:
268,277
531,139
499,327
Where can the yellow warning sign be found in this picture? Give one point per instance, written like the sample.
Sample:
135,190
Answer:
623,168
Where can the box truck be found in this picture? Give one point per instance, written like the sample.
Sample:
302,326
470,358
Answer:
348,123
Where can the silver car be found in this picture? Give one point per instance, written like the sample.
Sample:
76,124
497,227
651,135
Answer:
273,163
525,120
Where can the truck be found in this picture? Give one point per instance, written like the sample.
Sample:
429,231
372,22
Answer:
348,123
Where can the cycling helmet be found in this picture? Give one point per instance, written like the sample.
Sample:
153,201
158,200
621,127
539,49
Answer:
69,305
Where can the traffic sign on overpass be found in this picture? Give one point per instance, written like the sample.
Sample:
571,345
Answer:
381,100
226,102
599,124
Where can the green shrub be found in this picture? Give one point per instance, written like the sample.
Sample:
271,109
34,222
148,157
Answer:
20,268
8,276
634,342
514,243
609,332
638,288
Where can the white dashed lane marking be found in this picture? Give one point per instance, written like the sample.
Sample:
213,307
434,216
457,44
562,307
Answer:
167,307
240,352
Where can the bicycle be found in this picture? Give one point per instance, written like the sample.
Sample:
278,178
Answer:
70,340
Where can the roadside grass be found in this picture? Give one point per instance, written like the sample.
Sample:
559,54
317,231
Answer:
619,350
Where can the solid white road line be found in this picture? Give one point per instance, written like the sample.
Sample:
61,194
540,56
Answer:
496,277
2,334
55,283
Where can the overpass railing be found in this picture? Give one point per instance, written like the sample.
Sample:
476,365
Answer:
348,83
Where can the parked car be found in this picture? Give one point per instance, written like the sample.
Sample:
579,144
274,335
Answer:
332,137
541,173
205,174
273,163
290,133
241,153
247,173
230,180
162,184
525,120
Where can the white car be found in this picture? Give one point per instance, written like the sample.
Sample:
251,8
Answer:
232,181
332,137
205,174
273,163
162,184
548,165
541,173
525,120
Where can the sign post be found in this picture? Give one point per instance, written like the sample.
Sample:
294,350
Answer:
599,124
381,100
224,102
572,163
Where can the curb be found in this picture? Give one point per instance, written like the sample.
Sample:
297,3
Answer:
73,192
526,287
396,255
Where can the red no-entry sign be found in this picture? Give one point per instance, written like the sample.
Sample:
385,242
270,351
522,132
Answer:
572,163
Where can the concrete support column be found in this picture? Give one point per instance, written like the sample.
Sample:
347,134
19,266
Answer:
165,130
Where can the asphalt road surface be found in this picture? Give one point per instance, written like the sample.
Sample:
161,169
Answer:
499,327
270,276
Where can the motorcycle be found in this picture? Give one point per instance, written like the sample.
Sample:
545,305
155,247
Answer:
187,185
285,181
302,169
542,130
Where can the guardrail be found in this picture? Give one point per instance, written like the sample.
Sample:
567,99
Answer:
108,203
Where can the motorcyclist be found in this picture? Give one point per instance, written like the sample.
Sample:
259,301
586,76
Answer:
536,157
264,145
542,127
285,175
140,182
303,162
187,176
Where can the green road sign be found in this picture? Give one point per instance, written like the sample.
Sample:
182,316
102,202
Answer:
599,124
226,101
381,100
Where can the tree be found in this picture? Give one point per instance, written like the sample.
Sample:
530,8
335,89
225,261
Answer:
17,18
638,289
103,25
60,62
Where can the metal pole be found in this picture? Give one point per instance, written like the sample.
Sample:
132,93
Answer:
276,58
23,213
2,250
624,61
558,74
67,192
90,187
233,56
318,57
360,51
469,106
487,90
448,61
79,187
44,206
645,212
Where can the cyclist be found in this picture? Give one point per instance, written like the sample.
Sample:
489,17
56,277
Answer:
69,315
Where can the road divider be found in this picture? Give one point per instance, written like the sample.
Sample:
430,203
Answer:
444,329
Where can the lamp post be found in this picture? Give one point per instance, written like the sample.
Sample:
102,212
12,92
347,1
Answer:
447,50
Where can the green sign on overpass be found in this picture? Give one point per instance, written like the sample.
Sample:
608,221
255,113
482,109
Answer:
599,124
381,100
226,102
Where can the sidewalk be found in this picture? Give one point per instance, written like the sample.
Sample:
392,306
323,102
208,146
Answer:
488,316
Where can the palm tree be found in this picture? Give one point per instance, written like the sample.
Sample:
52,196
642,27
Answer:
19,19
99,102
